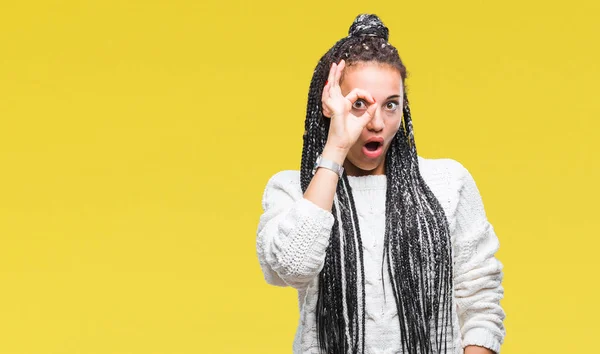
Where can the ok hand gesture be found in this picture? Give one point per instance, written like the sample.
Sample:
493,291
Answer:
345,126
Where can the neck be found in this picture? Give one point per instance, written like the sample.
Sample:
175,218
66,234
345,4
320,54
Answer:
352,170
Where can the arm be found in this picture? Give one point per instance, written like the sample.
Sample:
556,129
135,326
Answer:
478,274
293,231
321,189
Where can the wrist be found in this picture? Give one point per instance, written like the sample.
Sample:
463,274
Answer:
335,154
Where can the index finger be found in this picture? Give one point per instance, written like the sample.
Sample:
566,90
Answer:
356,93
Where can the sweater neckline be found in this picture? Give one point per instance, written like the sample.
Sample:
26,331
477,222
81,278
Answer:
372,182
368,182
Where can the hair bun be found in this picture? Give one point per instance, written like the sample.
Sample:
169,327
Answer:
368,25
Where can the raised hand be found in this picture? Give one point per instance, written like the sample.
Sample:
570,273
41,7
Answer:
345,127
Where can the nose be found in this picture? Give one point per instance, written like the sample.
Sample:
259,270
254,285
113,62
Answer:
376,123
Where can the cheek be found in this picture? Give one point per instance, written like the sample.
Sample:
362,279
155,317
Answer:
394,125
396,122
356,148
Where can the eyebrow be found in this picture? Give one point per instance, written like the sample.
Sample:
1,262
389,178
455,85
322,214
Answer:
392,96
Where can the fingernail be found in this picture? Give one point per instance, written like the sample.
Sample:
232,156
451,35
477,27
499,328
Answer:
326,81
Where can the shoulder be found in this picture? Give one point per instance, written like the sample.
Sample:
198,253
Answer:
441,167
454,173
444,175
449,180
283,185
286,180
285,177
455,188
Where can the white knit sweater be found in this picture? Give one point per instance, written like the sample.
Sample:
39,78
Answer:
293,234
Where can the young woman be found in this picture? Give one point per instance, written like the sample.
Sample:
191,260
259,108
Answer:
390,252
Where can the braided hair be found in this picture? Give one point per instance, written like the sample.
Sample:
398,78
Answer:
417,250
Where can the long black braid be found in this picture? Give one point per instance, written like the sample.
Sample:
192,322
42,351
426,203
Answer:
417,247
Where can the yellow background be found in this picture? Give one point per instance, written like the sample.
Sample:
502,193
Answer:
136,138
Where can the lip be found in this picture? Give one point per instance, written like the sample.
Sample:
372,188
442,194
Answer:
375,153
378,139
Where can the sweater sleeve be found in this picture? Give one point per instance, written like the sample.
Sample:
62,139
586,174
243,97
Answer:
478,273
293,233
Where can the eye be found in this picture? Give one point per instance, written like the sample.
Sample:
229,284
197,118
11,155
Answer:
392,105
359,101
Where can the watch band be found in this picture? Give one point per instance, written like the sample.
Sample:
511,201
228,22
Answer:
328,164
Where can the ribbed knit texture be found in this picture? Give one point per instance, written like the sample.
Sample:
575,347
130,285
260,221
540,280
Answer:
293,234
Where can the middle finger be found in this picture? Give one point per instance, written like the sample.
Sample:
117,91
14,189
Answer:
331,74
338,72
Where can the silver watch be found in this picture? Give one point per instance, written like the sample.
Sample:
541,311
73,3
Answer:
323,162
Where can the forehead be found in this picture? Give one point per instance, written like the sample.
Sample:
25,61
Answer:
380,80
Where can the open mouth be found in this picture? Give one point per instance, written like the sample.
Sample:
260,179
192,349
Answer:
373,149
373,145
